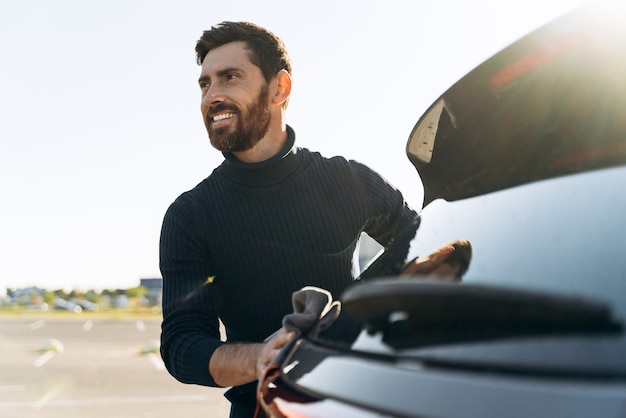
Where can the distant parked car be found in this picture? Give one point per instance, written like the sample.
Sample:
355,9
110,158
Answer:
525,157
87,305
66,305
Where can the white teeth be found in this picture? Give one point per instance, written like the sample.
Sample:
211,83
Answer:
223,116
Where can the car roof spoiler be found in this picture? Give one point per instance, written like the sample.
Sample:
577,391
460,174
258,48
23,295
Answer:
550,104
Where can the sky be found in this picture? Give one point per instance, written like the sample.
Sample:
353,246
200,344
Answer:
100,128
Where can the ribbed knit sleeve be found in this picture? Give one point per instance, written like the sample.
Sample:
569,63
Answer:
392,223
190,330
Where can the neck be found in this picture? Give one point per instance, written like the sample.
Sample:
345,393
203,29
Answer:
266,172
267,147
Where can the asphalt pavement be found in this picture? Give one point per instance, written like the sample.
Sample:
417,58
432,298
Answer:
74,367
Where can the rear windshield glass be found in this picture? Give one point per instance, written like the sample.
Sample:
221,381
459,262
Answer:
562,235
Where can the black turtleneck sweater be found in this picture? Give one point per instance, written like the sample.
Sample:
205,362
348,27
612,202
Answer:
243,240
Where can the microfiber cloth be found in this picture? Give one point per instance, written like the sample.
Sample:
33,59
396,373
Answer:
313,311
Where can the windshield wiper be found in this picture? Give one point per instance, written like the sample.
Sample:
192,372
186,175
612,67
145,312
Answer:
413,312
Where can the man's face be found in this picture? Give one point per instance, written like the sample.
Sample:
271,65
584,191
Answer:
235,99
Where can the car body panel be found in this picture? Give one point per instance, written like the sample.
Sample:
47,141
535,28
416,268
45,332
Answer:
412,388
525,158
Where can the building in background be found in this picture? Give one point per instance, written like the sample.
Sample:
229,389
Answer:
155,289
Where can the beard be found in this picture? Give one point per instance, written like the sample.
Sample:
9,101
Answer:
252,124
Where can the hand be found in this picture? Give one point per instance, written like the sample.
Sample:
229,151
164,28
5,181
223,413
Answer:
449,261
271,348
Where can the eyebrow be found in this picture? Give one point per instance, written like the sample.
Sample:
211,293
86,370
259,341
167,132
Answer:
220,73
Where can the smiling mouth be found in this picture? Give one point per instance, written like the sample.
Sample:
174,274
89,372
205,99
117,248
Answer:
222,116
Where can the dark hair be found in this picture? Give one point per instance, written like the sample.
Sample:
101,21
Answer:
267,51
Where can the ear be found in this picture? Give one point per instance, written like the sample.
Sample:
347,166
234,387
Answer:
283,87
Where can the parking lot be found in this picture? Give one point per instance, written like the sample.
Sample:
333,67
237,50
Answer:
53,366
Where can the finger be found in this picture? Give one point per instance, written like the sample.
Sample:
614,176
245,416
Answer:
445,271
271,349
440,255
282,337
425,265
422,265
273,346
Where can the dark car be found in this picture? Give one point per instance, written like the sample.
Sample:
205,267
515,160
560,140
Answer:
525,158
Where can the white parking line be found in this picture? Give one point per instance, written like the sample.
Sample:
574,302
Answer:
43,359
141,327
36,325
156,361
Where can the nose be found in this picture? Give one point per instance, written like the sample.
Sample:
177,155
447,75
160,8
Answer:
212,94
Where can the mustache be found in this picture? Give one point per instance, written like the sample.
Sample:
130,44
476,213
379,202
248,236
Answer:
221,107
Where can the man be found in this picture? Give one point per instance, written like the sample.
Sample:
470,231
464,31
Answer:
271,219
